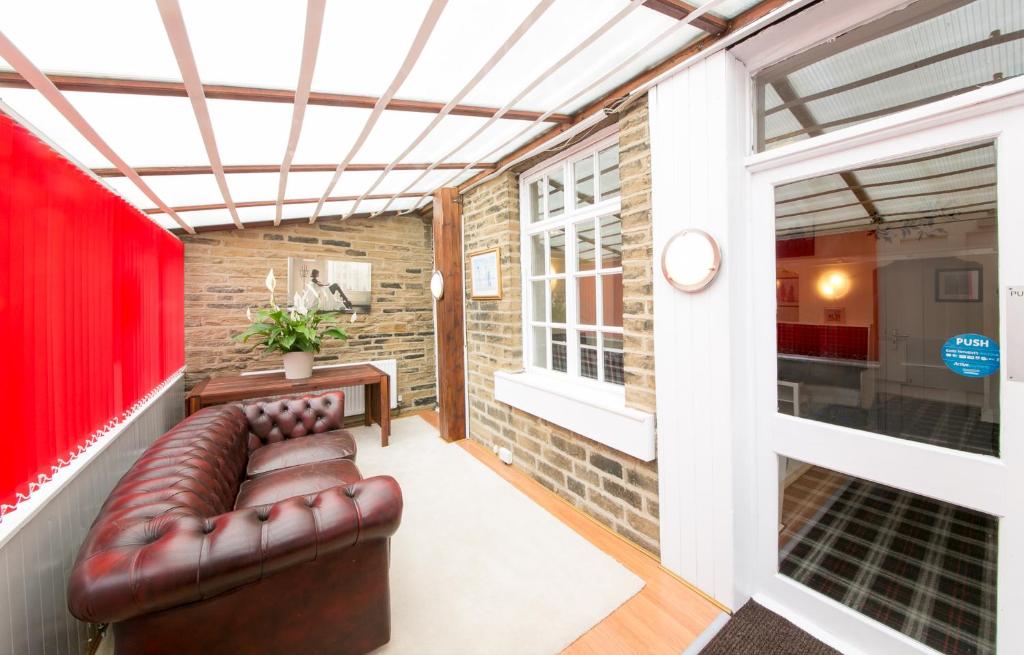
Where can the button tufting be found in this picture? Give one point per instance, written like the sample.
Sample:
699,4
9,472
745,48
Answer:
350,492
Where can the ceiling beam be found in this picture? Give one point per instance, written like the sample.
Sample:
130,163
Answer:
310,45
467,88
223,227
419,42
95,84
177,34
275,168
679,10
551,70
37,80
271,203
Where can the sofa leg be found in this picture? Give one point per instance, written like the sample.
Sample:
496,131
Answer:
338,604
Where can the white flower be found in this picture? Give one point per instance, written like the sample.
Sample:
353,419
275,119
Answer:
299,304
248,313
271,282
354,316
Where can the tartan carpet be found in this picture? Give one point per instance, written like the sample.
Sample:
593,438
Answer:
920,566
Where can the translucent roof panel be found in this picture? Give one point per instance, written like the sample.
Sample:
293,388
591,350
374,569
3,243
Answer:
257,44
926,52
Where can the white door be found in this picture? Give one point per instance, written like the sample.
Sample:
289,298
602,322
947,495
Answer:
901,525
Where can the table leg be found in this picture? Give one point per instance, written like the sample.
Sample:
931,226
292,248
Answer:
384,409
368,401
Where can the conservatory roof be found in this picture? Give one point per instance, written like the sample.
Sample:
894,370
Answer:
235,112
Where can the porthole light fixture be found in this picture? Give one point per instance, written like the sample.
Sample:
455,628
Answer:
437,285
691,260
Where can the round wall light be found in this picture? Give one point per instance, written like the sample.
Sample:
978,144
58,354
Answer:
437,285
691,260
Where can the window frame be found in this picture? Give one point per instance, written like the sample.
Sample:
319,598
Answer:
569,220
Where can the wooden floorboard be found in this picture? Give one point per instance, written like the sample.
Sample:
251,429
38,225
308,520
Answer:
664,617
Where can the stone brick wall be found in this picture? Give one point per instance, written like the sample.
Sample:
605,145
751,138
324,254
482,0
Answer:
225,272
614,488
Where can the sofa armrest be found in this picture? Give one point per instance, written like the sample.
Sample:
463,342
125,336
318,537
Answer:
173,559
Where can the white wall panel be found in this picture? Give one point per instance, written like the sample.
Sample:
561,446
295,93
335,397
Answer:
36,559
698,139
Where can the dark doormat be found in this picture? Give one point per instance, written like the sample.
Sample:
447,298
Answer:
756,631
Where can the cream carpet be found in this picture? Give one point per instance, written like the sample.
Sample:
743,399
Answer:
477,568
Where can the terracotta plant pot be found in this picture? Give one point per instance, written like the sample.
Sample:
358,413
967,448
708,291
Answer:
298,366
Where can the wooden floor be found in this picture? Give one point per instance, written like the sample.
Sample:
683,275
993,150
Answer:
664,617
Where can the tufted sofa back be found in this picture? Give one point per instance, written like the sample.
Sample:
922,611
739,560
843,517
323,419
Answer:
271,421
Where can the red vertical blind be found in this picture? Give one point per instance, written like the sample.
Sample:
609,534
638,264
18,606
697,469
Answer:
91,309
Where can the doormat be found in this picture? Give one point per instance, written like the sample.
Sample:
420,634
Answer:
755,630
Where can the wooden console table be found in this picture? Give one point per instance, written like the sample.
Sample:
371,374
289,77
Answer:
231,388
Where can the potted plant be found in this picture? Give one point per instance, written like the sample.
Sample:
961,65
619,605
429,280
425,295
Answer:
296,332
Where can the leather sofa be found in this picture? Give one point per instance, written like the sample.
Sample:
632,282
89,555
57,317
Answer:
244,529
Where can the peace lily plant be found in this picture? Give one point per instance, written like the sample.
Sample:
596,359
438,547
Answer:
296,332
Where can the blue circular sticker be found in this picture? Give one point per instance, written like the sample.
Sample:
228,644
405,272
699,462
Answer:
971,355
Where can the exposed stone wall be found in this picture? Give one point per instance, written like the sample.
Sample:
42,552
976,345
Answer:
225,272
614,488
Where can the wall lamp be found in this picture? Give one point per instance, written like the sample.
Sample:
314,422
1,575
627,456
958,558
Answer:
691,260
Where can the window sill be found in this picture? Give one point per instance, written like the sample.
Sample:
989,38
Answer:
596,414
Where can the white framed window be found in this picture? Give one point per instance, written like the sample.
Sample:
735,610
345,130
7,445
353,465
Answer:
572,265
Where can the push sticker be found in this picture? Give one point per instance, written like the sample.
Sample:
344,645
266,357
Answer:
971,355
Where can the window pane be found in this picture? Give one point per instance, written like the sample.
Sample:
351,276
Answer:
558,350
587,298
539,347
585,240
539,301
557,241
611,241
611,300
537,255
588,354
583,174
906,59
921,566
608,162
613,371
557,300
556,192
534,193
874,291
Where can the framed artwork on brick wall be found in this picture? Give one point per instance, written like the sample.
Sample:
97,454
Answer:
334,286
485,274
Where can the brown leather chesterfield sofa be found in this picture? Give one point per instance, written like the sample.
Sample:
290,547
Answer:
244,529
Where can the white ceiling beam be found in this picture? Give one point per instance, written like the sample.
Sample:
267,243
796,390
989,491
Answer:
551,70
489,65
174,24
422,36
310,46
694,15
41,83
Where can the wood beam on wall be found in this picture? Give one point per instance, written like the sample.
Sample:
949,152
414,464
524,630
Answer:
449,327
271,203
96,84
679,10
225,227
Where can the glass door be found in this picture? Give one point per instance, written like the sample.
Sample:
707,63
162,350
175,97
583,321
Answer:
890,470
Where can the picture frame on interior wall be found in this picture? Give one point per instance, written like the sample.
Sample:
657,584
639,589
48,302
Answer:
485,274
958,285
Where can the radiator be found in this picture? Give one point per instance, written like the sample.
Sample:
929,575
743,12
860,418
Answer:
355,401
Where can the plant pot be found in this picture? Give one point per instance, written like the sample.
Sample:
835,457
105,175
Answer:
298,366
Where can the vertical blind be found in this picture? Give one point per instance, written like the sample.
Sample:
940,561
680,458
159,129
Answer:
91,309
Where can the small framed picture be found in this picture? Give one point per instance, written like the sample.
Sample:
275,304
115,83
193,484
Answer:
958,285
787,289
485,274
835,315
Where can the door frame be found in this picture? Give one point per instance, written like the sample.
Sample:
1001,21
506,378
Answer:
975,481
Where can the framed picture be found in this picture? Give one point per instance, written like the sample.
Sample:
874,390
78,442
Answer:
958,285
485,274
333,286
835,315
787,289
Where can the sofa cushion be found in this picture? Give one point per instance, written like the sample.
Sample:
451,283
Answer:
296,481
338,444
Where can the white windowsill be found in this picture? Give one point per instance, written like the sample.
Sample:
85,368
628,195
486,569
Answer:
596,414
